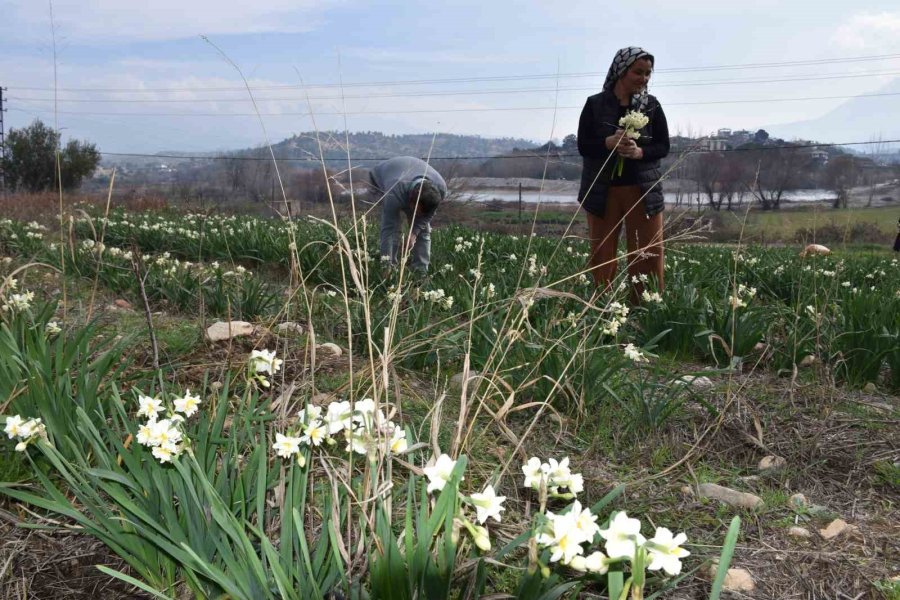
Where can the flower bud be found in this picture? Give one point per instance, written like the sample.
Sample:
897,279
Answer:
482,539
579,563
20,447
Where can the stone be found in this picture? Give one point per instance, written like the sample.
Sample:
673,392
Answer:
330,348
759,347
687,490
289,327
736,579
798,501
694,381
836,528
729,496
771,463
123,304
457,380
870,388
808,360
226,330
815,249
799,533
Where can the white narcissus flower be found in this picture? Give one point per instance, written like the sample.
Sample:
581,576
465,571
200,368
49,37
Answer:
149,407
666,551
366,415
488,504
586,521
166,452
439,473
264,361
597,563
398,441
575,484
187,404
623,536
145,434
564,538
53,328
162,433
357,440
635,354
315,433
309,414
338,416
534,471
286,446
559,471
14,426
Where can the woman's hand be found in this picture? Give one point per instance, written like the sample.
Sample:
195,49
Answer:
632,151
614,140
624,146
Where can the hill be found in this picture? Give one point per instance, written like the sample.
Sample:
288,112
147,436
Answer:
373,144
859,119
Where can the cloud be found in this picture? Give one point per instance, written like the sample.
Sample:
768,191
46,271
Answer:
870,32
115,20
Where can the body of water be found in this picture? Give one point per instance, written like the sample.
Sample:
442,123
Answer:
531,196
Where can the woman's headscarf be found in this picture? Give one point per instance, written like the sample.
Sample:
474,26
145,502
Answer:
623,60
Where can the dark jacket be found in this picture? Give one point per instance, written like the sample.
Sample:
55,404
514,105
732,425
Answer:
599,120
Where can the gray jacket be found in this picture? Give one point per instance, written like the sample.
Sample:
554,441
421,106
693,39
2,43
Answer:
392,180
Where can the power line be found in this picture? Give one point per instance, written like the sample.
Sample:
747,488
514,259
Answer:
727,67
444,110
501,156
441,93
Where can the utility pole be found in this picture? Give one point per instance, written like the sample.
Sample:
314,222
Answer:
2,143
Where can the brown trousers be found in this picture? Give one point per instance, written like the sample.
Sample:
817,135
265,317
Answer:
644,237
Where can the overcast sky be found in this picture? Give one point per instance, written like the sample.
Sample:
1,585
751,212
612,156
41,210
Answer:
150,82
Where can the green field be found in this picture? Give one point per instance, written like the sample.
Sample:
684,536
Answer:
337,445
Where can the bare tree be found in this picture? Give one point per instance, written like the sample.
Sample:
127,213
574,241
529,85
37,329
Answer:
840,175
707,170
776,170
871,177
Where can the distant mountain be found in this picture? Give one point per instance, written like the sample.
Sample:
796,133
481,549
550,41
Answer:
859,119
374,144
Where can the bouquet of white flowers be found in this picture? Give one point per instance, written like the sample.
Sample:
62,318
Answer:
632,122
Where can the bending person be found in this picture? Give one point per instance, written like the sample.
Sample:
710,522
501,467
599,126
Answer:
410,187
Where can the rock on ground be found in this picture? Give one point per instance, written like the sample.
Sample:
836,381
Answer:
289,327
729,496
799,533
457,380
330,348
798,501
739,580
694,381
771,463
815,249
226,330
736,579
808,360
836,528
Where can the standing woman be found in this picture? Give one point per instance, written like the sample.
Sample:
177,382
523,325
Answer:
632,196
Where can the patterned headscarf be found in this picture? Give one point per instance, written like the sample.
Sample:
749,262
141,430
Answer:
623,60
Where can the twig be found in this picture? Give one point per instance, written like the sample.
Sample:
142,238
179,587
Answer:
136,265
